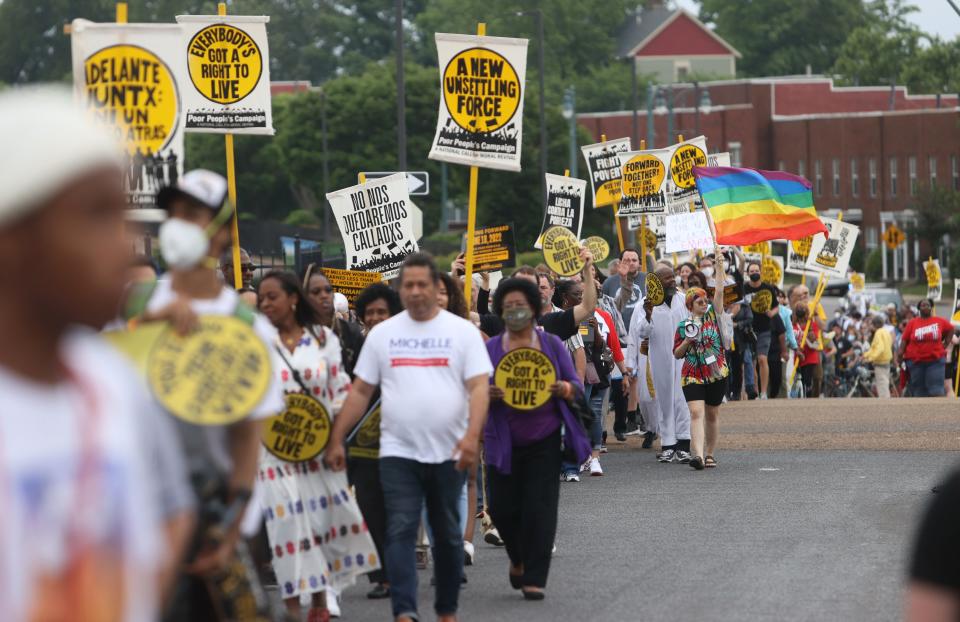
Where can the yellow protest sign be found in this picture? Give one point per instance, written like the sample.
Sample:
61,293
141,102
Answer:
481,90
525,376
762,301
857,282
802,246
224,62
366,440
655,293
760,248
300,432
215,375
350,282
684,159
643,175
599,248
772,271
934,279
561,251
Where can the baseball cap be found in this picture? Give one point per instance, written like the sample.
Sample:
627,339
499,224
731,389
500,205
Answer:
52,142
200,185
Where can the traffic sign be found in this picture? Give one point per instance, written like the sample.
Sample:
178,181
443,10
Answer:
418,182
893,237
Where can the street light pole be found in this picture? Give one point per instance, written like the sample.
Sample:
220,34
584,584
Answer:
570,114
327,210
633,94
651,128
401,93
538,15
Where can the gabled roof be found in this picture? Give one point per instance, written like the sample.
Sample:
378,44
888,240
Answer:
650,22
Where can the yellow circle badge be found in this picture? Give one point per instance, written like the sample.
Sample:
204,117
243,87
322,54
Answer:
300,432
771,272
225,63
481,90
131,90
655,294
525,375
216,375
642,176
762,301
561,251
599,248
802,246
682,163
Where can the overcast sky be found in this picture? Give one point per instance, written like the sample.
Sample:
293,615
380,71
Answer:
934,16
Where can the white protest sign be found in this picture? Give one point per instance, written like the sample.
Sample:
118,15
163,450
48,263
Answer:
228,65
480,122
603,164
719,159
376,224
797,253
681,186
688,231
643,184
832,255
934,279
128,76
955,315
564,205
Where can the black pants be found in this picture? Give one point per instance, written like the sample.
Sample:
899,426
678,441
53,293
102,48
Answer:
806,376
619,406
776,375
524,506
735,362
364,475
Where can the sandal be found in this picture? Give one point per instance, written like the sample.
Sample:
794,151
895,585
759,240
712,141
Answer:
315,614
710,462
516,580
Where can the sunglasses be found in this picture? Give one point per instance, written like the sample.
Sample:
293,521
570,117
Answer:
323,288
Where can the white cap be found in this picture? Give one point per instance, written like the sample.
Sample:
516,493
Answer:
50,142
203,186
340,303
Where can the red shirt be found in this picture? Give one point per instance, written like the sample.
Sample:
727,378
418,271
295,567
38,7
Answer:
924,339
809,356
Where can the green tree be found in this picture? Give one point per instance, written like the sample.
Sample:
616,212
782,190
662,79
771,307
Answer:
782,37
938,216
878,51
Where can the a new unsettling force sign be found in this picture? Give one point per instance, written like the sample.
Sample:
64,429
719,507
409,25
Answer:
480,121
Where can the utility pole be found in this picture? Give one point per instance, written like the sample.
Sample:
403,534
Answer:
401,94
538,15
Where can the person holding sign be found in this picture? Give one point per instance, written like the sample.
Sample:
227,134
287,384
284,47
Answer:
762,298
699,345
300,497
530,394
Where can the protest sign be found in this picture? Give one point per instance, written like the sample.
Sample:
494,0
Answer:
797,253
603,164
525,376
350,282
688,232
681,186
655,232
934,279
137,90
857,283
599,248
718,159
955,316
564,205
832,255
732,291
772,271
228,65
480,122
494,248
300,432
561,251
376,224
644,178
655,292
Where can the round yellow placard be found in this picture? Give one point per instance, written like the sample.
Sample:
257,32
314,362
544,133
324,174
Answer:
225,63
682,163
655,293
561,251
771,272
300,432
762,301
215,375
649,238
802,246
599,248
525,375
132,91
481,90
642,176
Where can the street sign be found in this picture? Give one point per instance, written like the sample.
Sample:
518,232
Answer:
893,237
418,182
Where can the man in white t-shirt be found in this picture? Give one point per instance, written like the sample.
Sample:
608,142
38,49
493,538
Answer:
433,371
95,505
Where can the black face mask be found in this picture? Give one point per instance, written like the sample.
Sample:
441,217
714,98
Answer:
755,277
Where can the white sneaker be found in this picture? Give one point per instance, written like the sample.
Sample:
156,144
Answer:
572,477
667,455
683,457
585,466
333,602
595,469
468,553
763,396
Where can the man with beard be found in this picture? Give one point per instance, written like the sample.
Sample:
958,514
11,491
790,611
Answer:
658,324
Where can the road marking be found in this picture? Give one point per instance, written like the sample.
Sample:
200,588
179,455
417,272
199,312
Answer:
769,469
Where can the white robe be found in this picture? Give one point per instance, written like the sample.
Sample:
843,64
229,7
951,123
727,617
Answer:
671,406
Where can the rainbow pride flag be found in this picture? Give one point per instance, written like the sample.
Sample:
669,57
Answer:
750,206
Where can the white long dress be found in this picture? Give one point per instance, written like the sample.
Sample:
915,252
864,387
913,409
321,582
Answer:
318,538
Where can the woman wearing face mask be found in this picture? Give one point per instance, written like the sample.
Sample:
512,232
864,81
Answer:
923,347
297,495
523,448
704,375
320,296
810,349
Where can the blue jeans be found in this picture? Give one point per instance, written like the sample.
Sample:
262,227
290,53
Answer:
926,379
749,370
406,485
594,396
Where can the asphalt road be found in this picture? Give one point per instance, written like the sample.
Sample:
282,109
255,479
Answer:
785,531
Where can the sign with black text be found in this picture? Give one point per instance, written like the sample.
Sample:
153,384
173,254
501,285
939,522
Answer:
603,164
564,205
681,185
494,248
643,184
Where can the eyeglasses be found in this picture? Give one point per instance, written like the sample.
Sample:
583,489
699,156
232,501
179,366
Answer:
247,267
323,288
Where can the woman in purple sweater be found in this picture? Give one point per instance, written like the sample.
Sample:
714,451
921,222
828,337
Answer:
523,447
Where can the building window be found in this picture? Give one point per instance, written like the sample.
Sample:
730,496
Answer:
835,166
871,237
932,161
955,171
780,166
682,69
893,177
854,179
734,149
873,177
818,177
802,168
912,170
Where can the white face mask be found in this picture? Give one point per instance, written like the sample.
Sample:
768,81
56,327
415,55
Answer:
707,272
183,244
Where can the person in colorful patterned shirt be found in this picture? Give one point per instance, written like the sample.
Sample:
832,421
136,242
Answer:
704,375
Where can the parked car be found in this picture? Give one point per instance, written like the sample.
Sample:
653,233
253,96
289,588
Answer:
877,298
837,288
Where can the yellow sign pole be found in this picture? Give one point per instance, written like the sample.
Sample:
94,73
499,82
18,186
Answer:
643,226
121,12
616,208
232,192
471,214
821,285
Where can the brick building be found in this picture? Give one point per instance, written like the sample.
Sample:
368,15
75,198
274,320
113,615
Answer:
867,150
